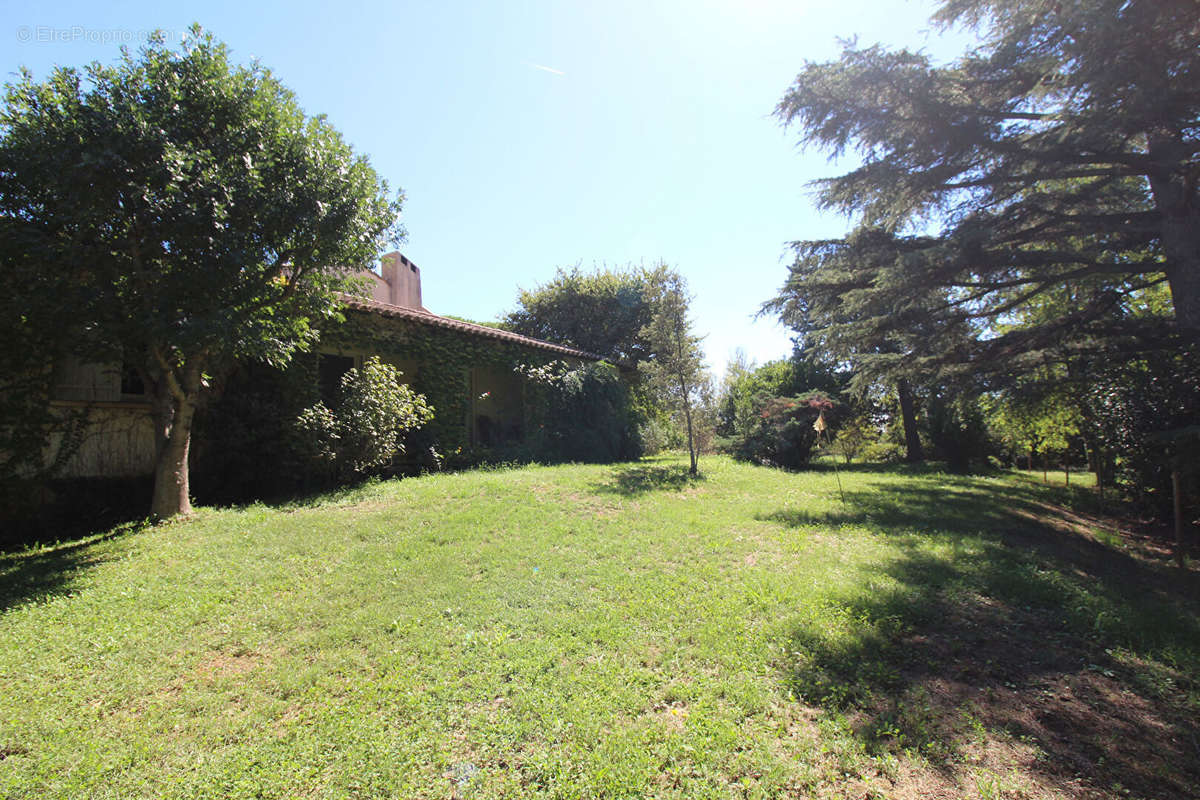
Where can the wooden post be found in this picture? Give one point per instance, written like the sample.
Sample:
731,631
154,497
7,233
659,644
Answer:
1178,498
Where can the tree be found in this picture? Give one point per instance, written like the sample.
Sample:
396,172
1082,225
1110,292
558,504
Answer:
603,311
196,214
1061,152
676,369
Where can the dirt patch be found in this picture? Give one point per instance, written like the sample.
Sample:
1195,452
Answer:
223,665
671,716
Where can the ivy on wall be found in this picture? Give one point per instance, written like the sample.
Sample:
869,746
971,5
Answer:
582,414
445,357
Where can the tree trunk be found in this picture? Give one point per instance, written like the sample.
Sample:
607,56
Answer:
171,462
912,439
1185,295
687,413
1174,194
175,391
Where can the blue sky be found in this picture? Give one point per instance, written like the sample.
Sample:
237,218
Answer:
532,135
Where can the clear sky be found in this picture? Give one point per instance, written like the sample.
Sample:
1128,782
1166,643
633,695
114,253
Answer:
532,135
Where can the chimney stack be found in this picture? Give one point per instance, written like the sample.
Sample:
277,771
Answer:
404,281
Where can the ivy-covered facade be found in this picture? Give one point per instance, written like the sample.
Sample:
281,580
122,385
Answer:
473,376
496,395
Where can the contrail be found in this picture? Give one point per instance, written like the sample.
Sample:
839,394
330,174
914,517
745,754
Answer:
551,70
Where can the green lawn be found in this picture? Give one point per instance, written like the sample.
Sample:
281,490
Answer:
609,631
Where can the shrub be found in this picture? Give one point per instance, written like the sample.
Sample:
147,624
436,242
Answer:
782,434
1144,418
367,428
658,435
884,452
854,436
957,430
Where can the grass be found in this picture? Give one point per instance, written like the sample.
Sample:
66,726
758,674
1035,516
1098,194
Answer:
609,631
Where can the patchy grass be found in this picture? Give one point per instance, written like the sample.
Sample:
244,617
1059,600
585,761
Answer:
621,631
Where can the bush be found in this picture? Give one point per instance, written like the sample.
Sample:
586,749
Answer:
658,435
1144,419
782,434
884,452
374,413
853,436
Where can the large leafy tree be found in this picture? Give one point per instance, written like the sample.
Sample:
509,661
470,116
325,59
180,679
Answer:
1063,151
603,310
189,214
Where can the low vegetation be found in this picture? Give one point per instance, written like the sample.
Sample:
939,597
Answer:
610,631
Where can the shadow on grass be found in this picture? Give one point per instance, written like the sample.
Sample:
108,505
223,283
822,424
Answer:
31,575
643,479
1001,618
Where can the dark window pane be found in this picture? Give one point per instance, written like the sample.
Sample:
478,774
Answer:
330,370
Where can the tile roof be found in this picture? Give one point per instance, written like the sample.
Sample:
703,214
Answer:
429,318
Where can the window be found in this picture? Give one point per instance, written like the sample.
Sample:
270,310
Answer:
330,370
90,382
132,385
497,407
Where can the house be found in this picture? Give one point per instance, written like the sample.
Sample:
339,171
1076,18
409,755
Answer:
468,372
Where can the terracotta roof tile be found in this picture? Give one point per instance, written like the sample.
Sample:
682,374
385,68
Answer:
429,318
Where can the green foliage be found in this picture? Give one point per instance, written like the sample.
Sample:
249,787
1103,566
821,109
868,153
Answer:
1059,153
1145,411
367,426
884,452
782,434
603,311
1033,419
194,215
675,370
762,411
36,439
746,390
855,435
957,430
445,358
245,440
581,413
659,434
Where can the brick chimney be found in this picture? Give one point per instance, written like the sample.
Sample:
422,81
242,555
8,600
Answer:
403,279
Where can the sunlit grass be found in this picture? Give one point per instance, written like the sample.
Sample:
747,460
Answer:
575,631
